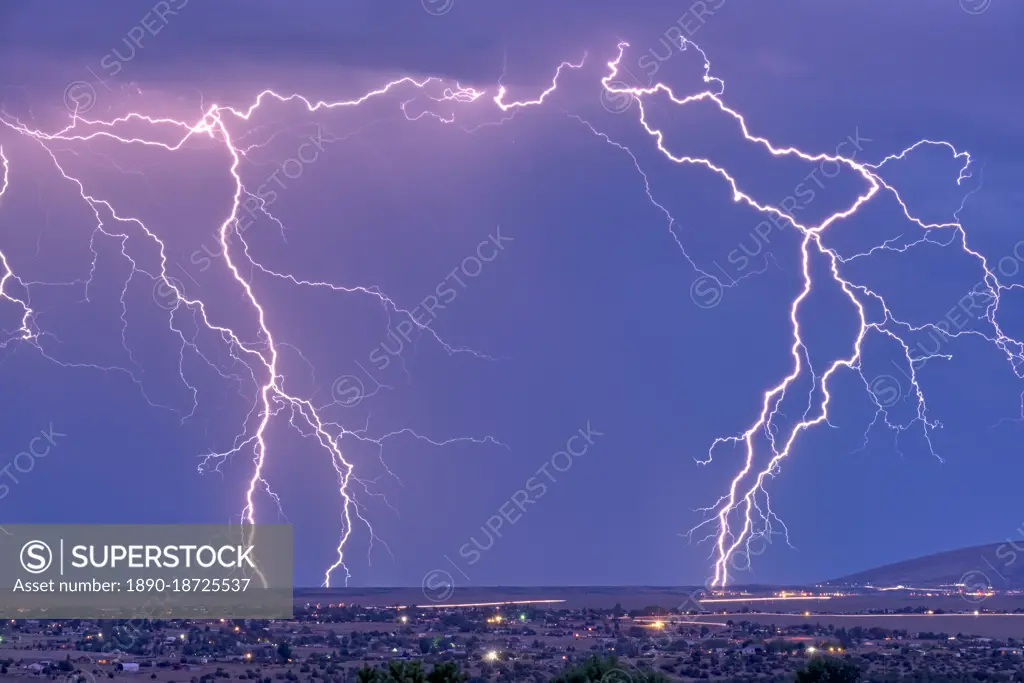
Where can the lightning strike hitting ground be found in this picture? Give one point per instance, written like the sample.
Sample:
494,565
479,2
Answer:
261,357
744,513
740,516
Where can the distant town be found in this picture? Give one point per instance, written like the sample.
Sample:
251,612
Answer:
739,636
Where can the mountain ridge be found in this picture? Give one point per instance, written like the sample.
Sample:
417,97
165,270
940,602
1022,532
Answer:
992,565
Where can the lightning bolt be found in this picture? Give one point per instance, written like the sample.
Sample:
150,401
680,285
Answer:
260,356
739,516
743,514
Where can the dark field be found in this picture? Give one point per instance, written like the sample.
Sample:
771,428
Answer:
987,625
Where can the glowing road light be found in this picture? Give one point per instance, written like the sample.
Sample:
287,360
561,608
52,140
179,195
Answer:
491,656
658,624
771,599
405,619
811,649
550,601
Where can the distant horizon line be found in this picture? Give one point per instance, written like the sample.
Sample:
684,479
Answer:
568,585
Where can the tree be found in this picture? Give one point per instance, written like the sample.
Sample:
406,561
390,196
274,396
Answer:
599,669
284,649
368,675
828,670
406,672
411,672
447,672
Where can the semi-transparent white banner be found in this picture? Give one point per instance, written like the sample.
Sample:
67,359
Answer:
140,571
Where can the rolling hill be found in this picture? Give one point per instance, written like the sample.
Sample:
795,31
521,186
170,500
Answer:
995,565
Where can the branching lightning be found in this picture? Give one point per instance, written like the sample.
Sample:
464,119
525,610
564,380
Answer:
260,357
744,513
740,516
